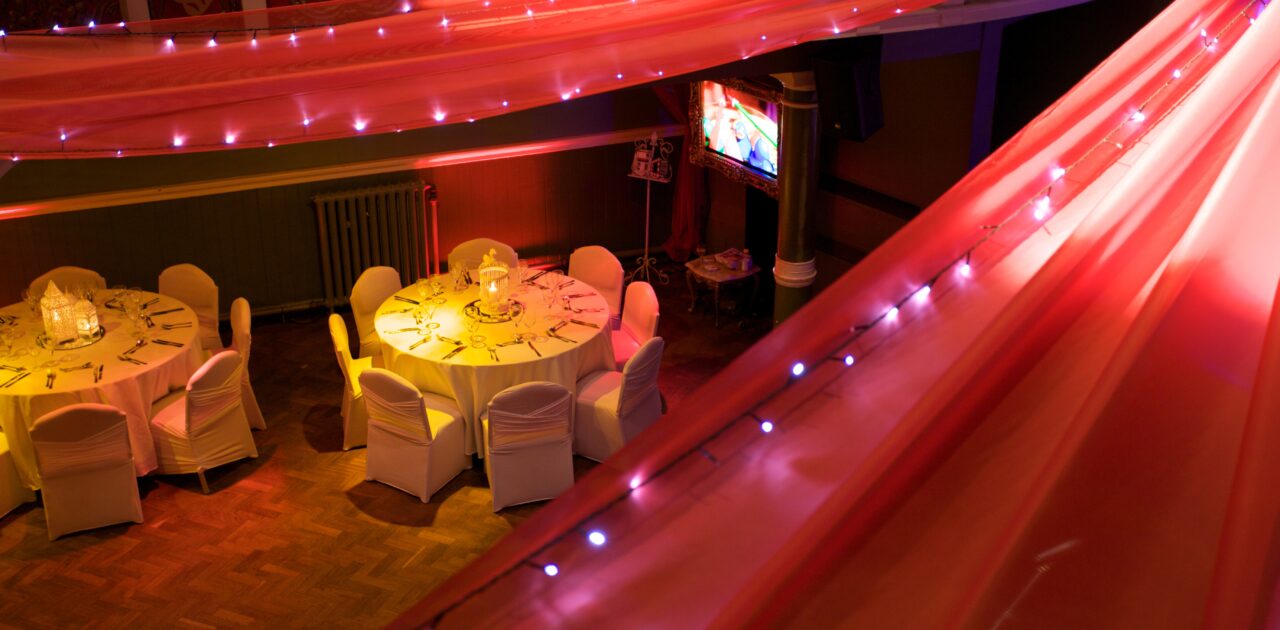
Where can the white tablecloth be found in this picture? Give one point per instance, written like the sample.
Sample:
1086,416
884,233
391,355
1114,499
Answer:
472,377
126,386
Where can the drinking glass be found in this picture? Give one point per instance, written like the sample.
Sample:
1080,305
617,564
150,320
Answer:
423,286
458,272
32,299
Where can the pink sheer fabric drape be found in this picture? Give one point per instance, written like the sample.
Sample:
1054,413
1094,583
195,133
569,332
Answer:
376,71
1058,440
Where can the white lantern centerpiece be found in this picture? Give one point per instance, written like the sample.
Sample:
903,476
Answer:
59,316
495,292
86,320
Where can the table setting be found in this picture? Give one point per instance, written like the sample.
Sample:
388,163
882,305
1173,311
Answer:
470,334
121,346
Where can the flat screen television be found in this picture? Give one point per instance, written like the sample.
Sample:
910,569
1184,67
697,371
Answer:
739,126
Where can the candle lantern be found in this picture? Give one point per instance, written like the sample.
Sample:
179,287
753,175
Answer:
86,319
495,292
59,315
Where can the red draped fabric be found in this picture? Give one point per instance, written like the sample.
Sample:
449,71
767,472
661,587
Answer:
342,68
1075,427
689,199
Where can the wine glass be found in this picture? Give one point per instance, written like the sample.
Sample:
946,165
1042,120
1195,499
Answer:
32,299
423,286
8,335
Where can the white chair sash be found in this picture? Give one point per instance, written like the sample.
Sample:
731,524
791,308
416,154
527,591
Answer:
510,431
640,377
406,419
106,448
212,401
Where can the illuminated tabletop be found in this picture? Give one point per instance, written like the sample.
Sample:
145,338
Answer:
425,338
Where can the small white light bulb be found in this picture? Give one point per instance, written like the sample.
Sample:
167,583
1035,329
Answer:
529,12
892,314
381,31
848,359
1042,208
966,270
439,116
766,426
444,22
1138,116
634,483
179,141
56,28
168,43
504,103
596,537
923,293
618,76
230,138
566,96
1057,173
293,38
797,368
551,570
92,24
213,41
63,136
360,125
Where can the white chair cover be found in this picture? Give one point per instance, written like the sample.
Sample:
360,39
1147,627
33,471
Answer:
86,468
639,321
241,340
414,445
471,252
599,268
204,426
614,407
12,492
529,443
68,277
373,288
193,287
355,420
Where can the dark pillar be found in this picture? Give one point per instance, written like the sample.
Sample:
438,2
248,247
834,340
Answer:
794,268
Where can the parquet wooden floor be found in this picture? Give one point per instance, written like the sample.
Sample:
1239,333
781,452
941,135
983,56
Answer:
295,538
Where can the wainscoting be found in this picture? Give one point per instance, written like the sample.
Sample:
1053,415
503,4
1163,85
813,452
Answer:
262,243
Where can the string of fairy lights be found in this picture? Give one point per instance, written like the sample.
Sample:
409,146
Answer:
1035,211
455,19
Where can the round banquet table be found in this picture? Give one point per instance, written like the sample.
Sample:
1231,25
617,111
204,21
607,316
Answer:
129,387
472,376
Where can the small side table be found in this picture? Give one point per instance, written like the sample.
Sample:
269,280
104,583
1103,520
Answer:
710,272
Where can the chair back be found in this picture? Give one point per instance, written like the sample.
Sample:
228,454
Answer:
395,405
599,268
530,414
640,377
473,251
640,313
373,288
193,287
214,389
341,346
80,438
66,277
241,323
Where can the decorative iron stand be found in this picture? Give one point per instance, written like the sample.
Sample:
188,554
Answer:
652,164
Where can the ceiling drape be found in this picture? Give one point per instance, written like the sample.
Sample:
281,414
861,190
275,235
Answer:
1074,427
351,67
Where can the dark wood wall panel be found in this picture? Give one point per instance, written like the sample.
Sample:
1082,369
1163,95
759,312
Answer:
262,244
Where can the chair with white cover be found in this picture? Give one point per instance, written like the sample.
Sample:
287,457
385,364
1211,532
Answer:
371,289
193,287
639,322
599,268
473,251
203,426
528,441
355,420
614,407
241,339
68,277
86,468
416,441
12,491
